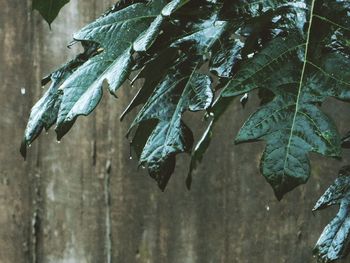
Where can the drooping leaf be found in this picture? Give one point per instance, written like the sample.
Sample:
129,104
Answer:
164,61
135,25
44,113
181,89
231,51
83,89
49,9
334,242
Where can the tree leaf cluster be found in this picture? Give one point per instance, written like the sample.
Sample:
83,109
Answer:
295,54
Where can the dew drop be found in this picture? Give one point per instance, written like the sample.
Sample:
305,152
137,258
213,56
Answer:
267,208
23,91
244,99
29,145
211,114
276,18
218,23
130,157
58,142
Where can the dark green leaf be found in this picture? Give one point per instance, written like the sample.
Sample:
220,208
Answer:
137,25
181,89
334,242
302,69
49,9
44,113
83,89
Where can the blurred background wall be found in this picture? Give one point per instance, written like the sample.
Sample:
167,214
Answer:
63,205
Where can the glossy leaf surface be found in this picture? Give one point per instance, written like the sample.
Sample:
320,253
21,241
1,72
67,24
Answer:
334,243
302,69
181,89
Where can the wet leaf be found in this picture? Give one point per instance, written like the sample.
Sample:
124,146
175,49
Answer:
334,242
302,69
183,88
45,112
118,37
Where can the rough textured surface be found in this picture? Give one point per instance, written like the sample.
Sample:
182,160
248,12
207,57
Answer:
85,201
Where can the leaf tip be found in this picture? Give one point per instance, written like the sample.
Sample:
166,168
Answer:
239,139
161,186
279,195
189,181
23,149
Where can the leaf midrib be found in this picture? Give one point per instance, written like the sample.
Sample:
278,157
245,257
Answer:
300,84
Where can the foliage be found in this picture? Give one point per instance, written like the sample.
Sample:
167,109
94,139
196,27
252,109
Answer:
295,53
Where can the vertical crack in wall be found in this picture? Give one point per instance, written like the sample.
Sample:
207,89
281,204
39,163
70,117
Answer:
35,220
36,204
35,223
107,195
94,149
35,177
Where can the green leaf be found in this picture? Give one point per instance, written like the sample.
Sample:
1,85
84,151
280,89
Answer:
78,89
229,53
333,243
302,69
136,26
49,9
83,89
183,88
44,113
163,62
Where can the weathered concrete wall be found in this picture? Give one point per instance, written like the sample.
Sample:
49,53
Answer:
64,206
